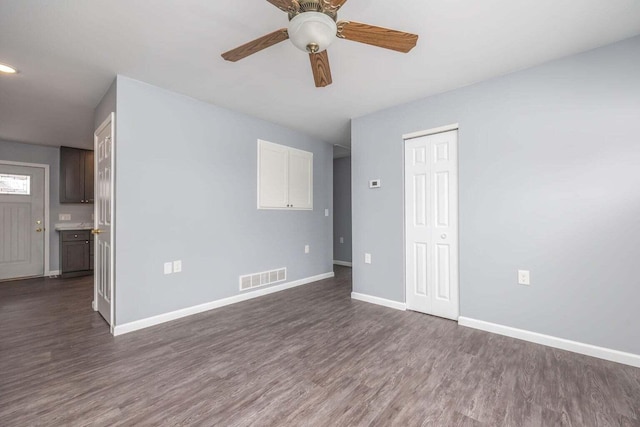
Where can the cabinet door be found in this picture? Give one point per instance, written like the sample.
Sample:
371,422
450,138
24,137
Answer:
71,175
75,256
300,179
272,175
88,176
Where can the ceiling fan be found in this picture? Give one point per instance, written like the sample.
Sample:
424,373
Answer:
313,26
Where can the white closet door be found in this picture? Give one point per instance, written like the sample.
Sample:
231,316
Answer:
300,179
272,179
431,221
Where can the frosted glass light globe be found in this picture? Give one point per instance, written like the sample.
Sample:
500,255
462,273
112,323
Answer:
312,30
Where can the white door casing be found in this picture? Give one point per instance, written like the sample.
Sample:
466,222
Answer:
104,283
23,222
431,224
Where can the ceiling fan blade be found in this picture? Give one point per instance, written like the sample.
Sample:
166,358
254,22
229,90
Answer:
336,4
285,5
320,68
377,36
256,45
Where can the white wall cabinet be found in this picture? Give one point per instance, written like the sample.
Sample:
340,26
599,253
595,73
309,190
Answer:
285,177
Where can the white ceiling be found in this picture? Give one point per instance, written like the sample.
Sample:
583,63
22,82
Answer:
68,53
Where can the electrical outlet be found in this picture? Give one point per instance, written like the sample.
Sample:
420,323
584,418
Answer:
177,266
524,277
64,217
306,249
342,240
326,212
367,258
168,267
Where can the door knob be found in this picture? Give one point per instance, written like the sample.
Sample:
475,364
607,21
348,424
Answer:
96,231
39,230
443,236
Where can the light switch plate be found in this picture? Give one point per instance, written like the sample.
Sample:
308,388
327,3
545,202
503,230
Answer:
64,217
326,212
367,258
306,249
375,183
177,266
342,240
168,267
524,277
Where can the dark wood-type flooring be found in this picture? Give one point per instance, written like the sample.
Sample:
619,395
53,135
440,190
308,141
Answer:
308,356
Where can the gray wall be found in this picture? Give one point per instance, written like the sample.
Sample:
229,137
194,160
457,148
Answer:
106,106
186,189
342,209
29,153
549,169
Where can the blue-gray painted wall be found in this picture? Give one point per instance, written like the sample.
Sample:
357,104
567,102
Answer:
549,173
186,180
342,209
106,106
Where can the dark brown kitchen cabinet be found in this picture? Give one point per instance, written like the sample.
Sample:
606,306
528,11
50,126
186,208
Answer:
76,175
76,253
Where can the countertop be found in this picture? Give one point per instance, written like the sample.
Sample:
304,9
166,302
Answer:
74,226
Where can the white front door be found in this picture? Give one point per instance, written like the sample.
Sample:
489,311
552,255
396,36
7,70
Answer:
431,224
103,219
21,221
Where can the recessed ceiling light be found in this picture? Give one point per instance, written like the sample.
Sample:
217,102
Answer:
6,69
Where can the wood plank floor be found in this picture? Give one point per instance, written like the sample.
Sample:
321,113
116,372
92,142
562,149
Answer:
308,356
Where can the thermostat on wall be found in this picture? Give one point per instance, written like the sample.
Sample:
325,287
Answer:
375,183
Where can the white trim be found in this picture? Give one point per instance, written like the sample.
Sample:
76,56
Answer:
440,129
47,243
173,315
54,273
379,301
343,263
551,341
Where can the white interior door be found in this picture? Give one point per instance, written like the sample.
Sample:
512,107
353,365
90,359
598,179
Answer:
22,230
103,219
431,224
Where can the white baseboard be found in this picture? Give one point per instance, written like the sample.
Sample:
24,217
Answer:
52,273
551,341
379,301
173,315
343,263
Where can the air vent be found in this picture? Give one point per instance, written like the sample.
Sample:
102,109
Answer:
245,283
264,278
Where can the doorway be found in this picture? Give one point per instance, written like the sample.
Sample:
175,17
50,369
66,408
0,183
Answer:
24,220
342,209
431,222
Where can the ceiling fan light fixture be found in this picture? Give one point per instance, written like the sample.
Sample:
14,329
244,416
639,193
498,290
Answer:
4,68
312,32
